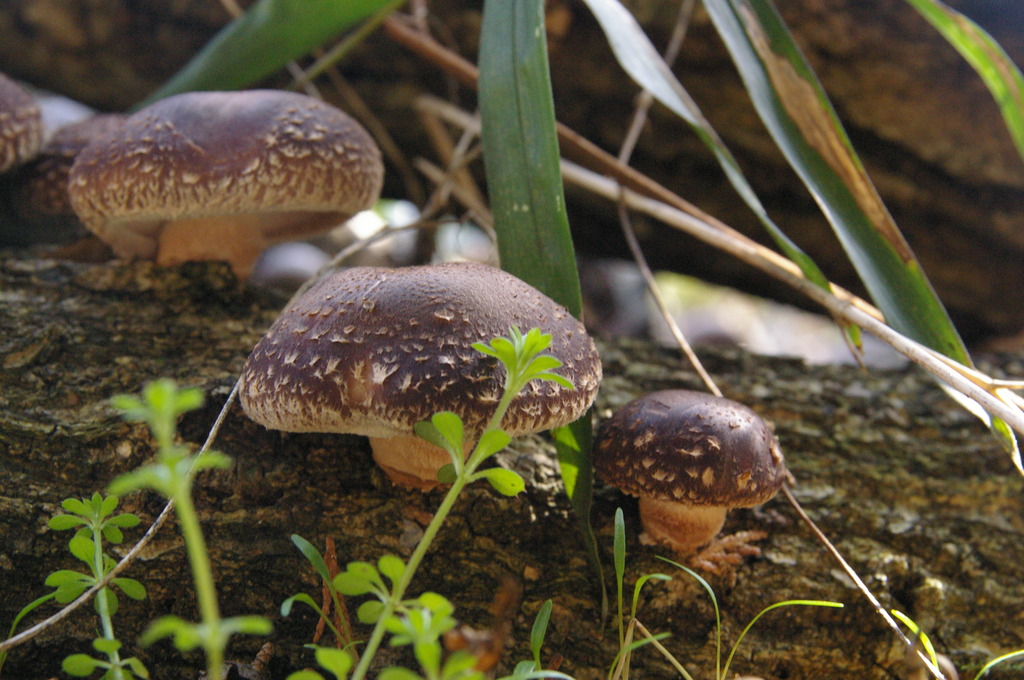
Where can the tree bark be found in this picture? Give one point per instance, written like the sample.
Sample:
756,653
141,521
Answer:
913,490
926,128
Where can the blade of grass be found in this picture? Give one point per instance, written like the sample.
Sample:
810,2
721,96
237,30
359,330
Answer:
987,57
521,160
795,109
268,36
641,61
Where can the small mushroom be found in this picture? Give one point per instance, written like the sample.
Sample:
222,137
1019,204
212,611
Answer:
21,124
689,457
373,351
38,191
224,175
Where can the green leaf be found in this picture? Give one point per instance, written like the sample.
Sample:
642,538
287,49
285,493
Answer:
186,635
81,665
521,157
397,673
428,654
312,556
269,35
505,482
491,442
446,474
305,674
125,520
450,427
65,522
76,506
82,548
539,630
105,646
107,505
207,460
113,534
786,603
369,612
987,57
131,588
337,661
644,65
796,110
65,576
359,578
69,591
286,606
247,625
137,667
392,567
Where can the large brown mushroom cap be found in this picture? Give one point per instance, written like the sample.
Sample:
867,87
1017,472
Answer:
21,124
276,164
373,351
690,448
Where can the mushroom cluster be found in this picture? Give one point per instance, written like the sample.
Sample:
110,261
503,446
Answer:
373,351
224,175
688,457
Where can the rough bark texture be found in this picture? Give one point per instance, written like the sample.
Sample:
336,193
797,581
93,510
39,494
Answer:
927,129
912,489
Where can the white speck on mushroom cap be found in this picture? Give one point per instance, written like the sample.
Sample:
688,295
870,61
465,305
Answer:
690,447
21,124
398,348
204,154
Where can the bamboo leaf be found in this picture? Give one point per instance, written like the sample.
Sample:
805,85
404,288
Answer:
645,66
795,109
987,57
521,159
269,35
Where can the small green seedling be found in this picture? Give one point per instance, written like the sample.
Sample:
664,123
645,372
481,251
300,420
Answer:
620,665
420,622
95,522
172,476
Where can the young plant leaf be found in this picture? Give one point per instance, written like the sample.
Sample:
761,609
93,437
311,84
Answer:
392,567
131,588
539,630
369,612
505,482
312,556
337,661
491,442
81,665
286,606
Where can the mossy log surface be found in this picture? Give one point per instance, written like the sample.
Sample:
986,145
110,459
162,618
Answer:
912,489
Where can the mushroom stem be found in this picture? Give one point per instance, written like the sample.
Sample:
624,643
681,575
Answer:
411,462
684,528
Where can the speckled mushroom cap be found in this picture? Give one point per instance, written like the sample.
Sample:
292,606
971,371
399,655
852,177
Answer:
21,124
299,165
691,448
373,351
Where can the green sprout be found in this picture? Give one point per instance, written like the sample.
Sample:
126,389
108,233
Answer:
95,522
172,476
420,622
620,665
